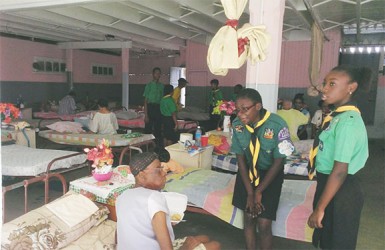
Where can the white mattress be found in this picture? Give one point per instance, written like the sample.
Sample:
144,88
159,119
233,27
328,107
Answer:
17,160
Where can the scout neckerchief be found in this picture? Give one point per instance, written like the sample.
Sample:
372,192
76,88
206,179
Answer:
325,124
254,147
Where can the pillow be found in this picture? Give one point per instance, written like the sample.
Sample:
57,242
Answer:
84,121
172,166
71,127
126,115
6,138
42,229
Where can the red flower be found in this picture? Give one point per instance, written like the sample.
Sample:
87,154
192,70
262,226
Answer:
101,155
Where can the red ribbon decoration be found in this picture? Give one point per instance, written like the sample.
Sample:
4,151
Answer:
241,45
232,22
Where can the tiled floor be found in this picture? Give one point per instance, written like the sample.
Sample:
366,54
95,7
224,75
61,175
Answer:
371,234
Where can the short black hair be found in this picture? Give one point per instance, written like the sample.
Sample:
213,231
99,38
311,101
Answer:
214,81
155,69
250,94
103,103
168,89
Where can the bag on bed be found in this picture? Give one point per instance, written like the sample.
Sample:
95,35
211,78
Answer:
221,146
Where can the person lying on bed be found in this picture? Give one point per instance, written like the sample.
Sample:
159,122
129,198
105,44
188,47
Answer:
104,121
261,141
143,219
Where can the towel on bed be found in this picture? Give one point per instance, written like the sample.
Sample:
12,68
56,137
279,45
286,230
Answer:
73,209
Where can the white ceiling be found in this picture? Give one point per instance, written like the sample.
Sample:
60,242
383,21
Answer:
163,26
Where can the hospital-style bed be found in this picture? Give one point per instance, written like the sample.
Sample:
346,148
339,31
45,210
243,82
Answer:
211,192
46,118
120,143
138,123
30,165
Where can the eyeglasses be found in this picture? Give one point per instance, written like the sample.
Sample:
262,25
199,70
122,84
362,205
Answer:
244,109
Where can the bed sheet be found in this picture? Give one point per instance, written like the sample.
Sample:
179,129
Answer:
213,192
98,237
54,115
295,164
139,123
116,140
20,160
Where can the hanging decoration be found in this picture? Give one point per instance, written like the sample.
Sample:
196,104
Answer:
315,60
230,48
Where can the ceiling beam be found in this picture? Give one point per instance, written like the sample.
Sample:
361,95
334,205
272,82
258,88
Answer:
28,4
358,21
315,18
96,45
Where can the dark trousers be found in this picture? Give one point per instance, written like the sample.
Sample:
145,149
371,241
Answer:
154,125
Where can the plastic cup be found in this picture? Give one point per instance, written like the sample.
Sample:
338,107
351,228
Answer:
204,140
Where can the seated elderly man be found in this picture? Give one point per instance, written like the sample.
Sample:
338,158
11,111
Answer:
293,118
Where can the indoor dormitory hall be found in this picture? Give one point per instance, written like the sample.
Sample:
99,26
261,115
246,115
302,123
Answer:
64,63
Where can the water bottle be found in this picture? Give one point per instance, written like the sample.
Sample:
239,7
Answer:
198,135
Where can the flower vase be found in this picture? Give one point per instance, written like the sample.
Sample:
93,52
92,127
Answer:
102,173
226,123
4,125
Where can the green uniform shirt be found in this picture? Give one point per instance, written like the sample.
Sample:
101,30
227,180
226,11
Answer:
167,106
273,136
345,140
153,92
215,96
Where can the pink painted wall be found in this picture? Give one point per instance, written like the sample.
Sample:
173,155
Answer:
295,58
82,63
199,74
141,69
16,58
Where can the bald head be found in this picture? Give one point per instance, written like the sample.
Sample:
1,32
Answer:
287,104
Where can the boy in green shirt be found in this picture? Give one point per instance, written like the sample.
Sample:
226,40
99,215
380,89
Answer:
168,109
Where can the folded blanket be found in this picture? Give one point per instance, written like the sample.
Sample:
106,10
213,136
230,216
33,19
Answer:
73,209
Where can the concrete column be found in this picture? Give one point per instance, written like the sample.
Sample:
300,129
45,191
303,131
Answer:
264,76
69,68
125,80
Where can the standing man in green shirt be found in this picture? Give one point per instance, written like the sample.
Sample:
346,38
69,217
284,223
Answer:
153,94
215,95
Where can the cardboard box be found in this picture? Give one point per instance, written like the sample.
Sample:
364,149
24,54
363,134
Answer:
201,160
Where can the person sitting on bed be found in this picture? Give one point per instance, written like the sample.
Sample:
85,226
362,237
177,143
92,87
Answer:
143,219
104,121
67,105
261,142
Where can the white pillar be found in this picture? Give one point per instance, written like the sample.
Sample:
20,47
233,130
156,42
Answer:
69,67
125,79
264,76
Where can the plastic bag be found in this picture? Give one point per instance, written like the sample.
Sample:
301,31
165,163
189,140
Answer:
221,146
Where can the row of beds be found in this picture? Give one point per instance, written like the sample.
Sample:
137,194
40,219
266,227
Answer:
208,191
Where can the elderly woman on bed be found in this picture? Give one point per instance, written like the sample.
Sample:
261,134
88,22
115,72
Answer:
261,141
104,121
143,216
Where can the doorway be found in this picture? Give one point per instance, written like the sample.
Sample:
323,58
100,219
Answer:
366,101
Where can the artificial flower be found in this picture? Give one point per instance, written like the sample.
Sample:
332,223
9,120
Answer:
8,112
101,155
224,108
